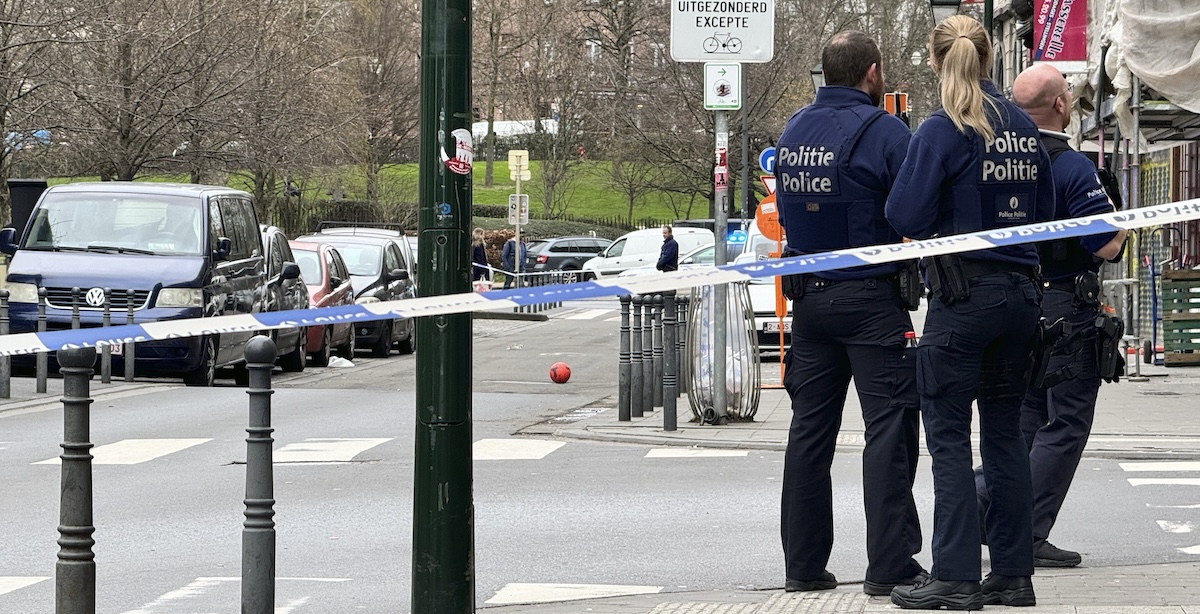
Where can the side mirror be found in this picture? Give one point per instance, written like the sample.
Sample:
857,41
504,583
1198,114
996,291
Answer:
8,241
398,275
223,248
334,282
687,261
291,270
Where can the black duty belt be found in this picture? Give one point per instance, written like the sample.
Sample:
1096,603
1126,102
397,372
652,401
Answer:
1064,285
976,268
869,282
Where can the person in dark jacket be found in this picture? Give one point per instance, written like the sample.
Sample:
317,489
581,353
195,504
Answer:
976,164
835,163
513,259
479,261
668,258
1056,418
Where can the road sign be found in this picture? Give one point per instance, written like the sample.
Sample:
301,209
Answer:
767,219
722,31
766,160
722,86
768,183
518,164
518,209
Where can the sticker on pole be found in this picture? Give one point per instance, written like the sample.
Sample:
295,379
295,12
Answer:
464,152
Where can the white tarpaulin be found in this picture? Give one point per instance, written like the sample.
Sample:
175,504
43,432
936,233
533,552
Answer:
1160,41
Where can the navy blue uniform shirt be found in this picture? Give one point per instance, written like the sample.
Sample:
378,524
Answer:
953,183
834,165
1079,193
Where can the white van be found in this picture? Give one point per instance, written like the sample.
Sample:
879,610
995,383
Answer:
641,248
763,294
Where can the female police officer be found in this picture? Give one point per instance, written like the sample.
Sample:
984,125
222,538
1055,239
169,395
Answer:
976,164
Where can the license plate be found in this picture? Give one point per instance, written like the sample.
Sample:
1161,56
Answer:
116,350
773,327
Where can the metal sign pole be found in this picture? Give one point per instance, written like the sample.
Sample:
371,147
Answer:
721,292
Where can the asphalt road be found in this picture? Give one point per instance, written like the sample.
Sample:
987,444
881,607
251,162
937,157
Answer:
168,523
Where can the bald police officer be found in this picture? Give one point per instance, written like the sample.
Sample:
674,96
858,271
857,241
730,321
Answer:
835,164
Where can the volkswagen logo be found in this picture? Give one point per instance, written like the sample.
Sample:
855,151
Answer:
95,297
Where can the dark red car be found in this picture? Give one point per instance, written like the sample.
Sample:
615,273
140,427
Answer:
328,282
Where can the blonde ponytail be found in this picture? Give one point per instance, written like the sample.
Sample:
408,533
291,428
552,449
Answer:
962,57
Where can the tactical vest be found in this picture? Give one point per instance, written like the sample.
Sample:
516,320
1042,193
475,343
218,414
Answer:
1063,258
826,207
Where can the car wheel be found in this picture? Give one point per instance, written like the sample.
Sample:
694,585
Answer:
241,374
570,276
321,356
383,346
294,361
408,345
206,372
589,276
347,350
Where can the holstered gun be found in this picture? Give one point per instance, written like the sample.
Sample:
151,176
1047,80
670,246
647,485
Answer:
1110,330
947,279
909,287
1048,335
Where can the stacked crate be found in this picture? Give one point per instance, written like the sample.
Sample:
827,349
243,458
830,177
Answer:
1181,317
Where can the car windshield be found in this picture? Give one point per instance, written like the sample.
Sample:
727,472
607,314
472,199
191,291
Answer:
124,223
361,258
310,266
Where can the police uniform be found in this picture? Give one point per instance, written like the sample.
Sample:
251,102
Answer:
977,346
1057,419
835,162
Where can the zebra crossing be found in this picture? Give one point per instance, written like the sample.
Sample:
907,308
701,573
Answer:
1177,476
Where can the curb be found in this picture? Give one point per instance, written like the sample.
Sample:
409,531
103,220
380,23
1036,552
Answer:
510,315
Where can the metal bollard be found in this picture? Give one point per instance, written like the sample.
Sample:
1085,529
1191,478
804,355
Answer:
130,352
258,532
623,364
75,308
106,352
75,571
670,363
636,409
681,345
43,358
648,355
5,361
657,351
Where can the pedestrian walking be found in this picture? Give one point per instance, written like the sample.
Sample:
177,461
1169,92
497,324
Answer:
512,257
668,258
479,261
1056,417
976,164
835,162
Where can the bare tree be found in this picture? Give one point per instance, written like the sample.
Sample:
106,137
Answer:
504,30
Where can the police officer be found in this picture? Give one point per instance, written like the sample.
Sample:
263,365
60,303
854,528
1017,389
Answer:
835,163
1056,418
976,164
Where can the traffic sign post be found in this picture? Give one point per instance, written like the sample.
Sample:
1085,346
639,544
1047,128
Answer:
518,209
518,204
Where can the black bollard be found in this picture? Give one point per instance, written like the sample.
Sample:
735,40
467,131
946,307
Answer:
106,352
648,355
5,361
670,363
75,308
656,353
636,409
75,571
258,532
623,374
685,367
43,358
130,352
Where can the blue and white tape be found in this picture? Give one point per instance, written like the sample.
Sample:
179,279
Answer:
28,343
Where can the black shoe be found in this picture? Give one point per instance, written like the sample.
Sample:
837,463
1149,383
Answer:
1045,554
1008,590
883,589
936,594
825,582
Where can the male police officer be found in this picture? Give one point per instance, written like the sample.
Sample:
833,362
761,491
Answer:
835,163
1056,417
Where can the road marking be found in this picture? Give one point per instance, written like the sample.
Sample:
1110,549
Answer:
521,383
9,584
1164,481
1190,549
514,449
542,593
590,314
693,453
133,451
613,319
1176,507
1162,467
200,586
323,450
1171,526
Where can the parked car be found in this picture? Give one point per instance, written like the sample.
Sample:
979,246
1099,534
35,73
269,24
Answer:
763,294
641,248
705,255
563,254
328,282
284,290
412,248
184,250
379,262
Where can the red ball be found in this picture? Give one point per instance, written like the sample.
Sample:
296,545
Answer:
560,373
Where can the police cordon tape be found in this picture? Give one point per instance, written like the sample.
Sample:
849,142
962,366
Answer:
28,343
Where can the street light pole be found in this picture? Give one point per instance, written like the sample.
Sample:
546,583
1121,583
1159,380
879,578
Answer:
443,567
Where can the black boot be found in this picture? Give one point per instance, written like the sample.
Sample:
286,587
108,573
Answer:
824,582
1008,590
1045,554
936,594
